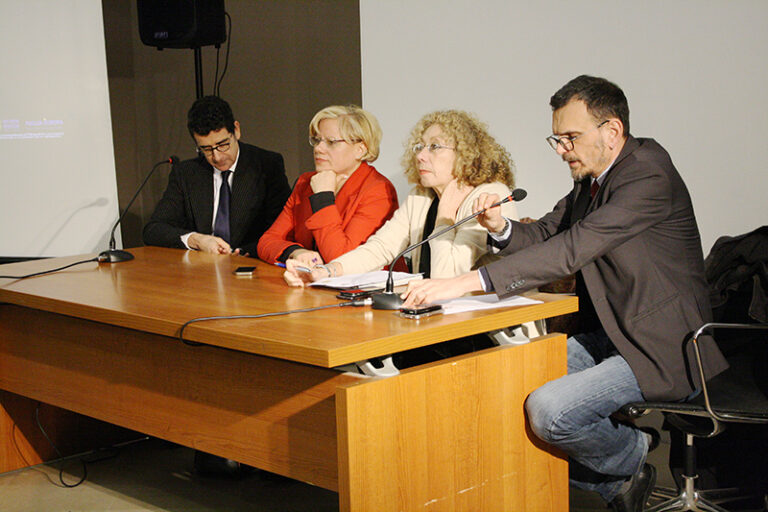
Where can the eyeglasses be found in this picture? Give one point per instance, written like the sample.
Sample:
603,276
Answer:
314,141
567,142
221,147
432,148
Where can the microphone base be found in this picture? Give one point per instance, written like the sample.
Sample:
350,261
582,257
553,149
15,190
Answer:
114,256
387,300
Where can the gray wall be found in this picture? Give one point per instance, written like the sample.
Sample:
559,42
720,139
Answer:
693,70
288,59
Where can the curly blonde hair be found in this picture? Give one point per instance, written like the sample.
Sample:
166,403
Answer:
479,158
355,125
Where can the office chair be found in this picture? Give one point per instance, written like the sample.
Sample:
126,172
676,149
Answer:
737,395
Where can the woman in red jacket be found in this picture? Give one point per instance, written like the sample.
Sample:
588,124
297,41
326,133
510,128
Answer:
336,207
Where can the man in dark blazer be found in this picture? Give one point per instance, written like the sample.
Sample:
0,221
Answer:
628,231
195,212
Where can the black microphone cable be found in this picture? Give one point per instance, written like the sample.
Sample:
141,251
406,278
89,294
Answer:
216,79
96,259
109,452
356,303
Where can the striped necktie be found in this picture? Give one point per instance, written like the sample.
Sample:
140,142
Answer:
221,226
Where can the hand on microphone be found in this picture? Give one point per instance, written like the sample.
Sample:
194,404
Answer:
491,219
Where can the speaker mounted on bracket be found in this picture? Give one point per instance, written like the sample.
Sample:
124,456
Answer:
181,23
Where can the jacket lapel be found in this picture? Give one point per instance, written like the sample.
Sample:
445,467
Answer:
201,193
581,200
243,187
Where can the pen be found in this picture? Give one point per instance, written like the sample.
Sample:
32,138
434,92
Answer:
297,267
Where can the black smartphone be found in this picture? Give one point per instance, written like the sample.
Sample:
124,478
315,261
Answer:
421,311
244,271
354,294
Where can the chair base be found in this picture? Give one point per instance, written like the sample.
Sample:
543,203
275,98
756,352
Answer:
688,498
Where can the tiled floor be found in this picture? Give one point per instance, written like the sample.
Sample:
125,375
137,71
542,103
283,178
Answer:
153,475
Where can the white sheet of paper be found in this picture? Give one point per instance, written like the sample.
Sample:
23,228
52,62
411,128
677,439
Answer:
375,279
479,302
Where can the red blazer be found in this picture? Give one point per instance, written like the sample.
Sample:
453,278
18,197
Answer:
363,204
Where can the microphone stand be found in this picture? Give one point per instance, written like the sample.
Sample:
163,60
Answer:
117,255
388,299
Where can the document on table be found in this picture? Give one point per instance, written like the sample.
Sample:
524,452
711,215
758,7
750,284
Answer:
478,302
367,280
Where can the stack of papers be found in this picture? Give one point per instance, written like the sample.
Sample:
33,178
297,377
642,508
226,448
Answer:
368,280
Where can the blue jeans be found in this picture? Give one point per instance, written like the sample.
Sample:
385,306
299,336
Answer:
573,414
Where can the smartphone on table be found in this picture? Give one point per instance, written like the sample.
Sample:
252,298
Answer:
354,294
421,311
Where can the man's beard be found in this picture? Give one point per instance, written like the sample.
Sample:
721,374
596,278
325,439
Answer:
579,173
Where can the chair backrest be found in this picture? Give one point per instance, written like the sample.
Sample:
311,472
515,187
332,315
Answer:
739,393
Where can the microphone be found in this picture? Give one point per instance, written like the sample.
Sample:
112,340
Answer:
388,299
116,255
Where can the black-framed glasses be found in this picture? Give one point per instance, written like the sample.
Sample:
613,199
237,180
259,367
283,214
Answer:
314,141
221,147
432,148
567,141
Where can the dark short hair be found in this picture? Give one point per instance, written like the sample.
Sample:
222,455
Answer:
209,114
604,99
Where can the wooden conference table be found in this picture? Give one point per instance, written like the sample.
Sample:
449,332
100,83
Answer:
101,340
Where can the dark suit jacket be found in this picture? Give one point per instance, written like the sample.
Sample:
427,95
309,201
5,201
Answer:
259,191
639,252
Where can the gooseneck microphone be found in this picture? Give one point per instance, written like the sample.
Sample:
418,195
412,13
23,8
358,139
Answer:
116,255
388,299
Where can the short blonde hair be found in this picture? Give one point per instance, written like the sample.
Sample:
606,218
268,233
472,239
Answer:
479,158
355,125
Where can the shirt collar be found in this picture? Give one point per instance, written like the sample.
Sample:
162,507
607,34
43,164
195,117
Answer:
600,179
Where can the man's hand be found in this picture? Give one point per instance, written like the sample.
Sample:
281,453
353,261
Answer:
450,200
492,219
426,291
208,243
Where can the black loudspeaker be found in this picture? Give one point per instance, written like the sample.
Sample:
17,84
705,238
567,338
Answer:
181,23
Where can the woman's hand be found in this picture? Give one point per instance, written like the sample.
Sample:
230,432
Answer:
323,181
306,258
296,274
452,197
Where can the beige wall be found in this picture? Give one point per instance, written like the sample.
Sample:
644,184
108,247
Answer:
288,59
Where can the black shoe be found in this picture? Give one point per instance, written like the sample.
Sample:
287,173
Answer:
207,464
635,498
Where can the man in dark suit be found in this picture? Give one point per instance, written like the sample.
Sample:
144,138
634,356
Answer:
201,209
628,231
